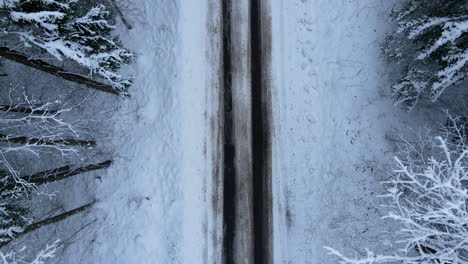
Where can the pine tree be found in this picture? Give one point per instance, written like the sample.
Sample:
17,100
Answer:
59,28
431,46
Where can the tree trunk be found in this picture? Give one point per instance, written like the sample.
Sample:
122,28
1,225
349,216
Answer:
26,110
65,172
54,70
38,141
51,220
59,174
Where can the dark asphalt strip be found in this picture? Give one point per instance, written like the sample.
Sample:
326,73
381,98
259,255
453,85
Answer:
259,30
260,144
229,196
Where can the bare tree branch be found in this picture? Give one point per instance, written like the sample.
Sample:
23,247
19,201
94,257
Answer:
26,110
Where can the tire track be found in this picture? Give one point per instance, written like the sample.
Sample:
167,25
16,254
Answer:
247,215
229,182
260,29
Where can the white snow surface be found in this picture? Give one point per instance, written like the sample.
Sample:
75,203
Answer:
334,126
151,205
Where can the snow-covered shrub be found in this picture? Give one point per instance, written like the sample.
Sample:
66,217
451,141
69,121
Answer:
431,46
428,197
457,130
58,27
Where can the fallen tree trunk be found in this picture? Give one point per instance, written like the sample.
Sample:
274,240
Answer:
58,174
51,220
38,141
26,110
56,71
65,172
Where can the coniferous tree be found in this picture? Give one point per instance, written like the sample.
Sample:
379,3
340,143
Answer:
59,28
431,46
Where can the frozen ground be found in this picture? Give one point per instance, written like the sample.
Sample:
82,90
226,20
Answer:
333,119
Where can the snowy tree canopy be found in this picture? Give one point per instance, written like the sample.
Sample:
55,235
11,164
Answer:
57,27
428,197
431,45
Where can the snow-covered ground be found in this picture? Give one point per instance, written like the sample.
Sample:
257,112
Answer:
154,205
333,119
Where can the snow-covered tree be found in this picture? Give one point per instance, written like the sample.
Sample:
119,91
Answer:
28,126
60,28
428,197
41,257
431,46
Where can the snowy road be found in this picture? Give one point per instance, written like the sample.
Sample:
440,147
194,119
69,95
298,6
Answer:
330,120
247,159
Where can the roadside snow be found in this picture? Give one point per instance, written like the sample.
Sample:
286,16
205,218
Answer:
152,205
140,198
333,118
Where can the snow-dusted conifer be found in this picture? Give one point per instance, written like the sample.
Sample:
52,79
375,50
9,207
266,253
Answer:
431,45
58,27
